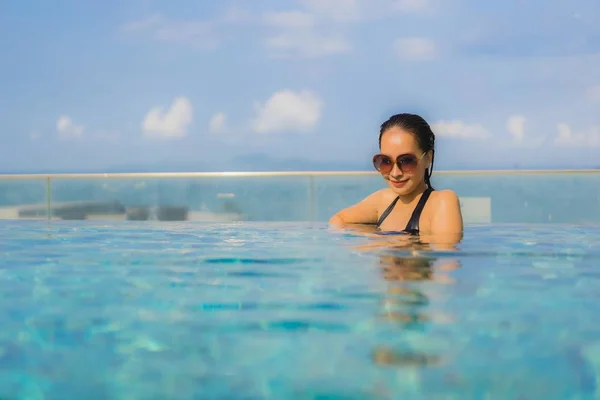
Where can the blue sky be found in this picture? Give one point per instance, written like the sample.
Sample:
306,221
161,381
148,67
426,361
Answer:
245,84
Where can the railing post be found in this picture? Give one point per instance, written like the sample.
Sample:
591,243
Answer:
48,198
311,198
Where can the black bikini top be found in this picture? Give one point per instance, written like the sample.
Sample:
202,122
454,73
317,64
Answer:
412,227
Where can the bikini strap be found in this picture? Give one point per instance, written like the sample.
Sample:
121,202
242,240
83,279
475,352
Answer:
413,223
387,211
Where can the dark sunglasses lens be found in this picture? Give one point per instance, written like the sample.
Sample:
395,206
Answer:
382,163
407,163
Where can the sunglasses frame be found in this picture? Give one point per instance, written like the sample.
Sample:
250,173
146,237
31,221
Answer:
397,162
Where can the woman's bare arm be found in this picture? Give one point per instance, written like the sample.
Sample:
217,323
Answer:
363,212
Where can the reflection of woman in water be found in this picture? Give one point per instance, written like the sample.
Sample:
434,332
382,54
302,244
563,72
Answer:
409,205
407,306
415,268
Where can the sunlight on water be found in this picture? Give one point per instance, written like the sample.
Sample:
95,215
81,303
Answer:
295,311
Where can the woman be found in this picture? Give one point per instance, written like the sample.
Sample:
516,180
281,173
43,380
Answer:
409,205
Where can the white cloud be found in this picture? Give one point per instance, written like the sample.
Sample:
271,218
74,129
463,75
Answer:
564,134
415,49
316,28
457,129
516,127
319,27
593,92
309,32
289,111
172,123
218,123
306,44
200,34
567,138
314,31
67,129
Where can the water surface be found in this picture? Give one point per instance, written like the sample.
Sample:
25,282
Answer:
125,310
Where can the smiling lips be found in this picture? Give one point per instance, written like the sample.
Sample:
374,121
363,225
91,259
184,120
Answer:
398,184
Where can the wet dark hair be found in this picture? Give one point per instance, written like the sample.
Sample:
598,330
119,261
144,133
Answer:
416,125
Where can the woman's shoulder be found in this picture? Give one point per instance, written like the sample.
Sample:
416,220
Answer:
444,195
380,199
446,215
445,198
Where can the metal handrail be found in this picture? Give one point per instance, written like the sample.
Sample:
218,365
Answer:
242,174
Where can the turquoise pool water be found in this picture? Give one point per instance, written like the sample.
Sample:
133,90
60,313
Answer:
126,310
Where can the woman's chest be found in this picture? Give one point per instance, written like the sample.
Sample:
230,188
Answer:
405,217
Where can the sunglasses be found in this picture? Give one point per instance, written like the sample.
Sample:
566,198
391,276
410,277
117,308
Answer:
407,163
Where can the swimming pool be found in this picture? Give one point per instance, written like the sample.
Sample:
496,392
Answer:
182,310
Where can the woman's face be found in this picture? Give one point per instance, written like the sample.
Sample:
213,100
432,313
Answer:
401,147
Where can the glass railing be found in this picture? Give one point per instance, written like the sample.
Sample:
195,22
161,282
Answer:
486,196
